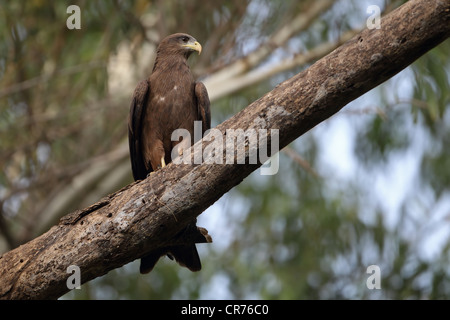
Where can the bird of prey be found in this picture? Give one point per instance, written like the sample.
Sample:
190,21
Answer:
169,99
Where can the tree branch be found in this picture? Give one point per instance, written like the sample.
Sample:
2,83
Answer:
148,215
238,82
280,37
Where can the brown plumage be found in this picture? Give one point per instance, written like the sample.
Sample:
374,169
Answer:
169,99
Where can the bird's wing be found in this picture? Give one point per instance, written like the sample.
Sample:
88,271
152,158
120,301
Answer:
203,105
137,114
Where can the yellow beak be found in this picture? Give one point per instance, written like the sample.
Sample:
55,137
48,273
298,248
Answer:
195,46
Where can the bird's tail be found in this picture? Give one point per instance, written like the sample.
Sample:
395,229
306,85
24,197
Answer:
186,255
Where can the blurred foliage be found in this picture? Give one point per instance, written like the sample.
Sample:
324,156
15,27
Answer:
294,235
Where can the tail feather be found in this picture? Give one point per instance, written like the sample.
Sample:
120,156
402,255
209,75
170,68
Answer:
148,262
186,255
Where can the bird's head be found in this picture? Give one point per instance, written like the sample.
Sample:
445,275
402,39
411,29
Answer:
179,44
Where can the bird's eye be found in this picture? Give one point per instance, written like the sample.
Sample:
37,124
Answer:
185,39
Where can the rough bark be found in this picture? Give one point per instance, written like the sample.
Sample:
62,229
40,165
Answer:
149,214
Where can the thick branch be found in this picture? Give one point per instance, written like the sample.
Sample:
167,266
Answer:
147,215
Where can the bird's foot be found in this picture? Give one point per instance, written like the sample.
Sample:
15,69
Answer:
163,163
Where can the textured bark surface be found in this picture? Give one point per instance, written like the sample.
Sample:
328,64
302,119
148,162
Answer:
149,214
